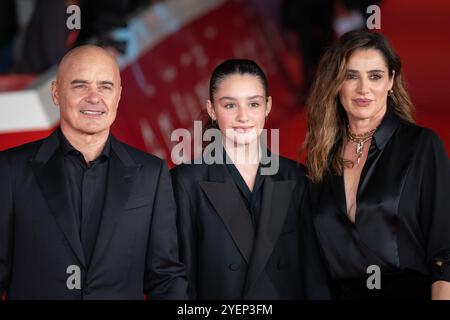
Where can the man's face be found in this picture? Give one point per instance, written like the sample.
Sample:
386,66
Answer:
87,91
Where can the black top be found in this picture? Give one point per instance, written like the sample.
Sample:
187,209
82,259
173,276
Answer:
251,198
402,217
87,188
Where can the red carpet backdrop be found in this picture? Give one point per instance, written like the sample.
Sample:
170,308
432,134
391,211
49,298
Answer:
172,50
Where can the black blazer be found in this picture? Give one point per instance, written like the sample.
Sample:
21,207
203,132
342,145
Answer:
224,256
136,250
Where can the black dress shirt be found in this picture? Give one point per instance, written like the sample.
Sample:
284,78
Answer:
87,188
402,219
252,198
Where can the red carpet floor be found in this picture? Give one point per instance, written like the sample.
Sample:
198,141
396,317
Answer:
420,33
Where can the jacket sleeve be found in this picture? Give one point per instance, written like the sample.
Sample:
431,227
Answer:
6,224
165,274
186,232
435,206
316,281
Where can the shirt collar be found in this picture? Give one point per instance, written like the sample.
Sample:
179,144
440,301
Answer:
382,134
240,182
237,176
67,148
386,128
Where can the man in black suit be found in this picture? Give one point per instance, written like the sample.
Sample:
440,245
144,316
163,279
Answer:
82,215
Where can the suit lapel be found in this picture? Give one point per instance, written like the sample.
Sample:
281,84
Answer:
275,205
223,194
121,175
48,167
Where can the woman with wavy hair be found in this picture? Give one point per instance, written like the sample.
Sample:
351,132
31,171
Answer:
379,187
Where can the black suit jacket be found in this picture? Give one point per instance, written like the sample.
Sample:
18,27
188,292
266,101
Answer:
224,256
136,250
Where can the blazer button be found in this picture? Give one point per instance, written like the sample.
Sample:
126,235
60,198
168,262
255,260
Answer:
234,266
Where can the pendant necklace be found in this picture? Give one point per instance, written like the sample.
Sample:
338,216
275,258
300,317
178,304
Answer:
359,139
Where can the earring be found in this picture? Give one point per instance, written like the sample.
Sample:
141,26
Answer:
390,92
214,122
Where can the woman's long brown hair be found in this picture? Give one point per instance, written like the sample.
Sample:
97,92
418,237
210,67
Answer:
327,119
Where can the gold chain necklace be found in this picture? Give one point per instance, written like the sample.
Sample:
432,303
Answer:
359,139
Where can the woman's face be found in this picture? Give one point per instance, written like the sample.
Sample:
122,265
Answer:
365,89
240,108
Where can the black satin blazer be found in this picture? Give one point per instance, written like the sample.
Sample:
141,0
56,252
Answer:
402,222
225,257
